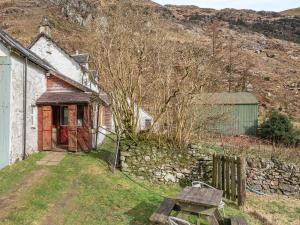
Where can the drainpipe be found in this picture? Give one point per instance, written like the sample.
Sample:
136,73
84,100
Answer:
97,126
24,107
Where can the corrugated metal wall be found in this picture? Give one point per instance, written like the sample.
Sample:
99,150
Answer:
236,120
5,77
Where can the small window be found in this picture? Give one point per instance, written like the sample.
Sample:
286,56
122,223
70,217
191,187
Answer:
33,116
148,124
80,115
64,115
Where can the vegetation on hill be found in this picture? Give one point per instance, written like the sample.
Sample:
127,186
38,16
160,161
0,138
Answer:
278,128
291,12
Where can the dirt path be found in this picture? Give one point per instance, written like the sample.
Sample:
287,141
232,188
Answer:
55,214
8,201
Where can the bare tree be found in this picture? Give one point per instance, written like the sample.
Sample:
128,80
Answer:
139,65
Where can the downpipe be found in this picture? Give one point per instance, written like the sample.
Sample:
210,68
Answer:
24,108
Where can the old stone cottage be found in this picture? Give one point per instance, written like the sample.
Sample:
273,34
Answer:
48,100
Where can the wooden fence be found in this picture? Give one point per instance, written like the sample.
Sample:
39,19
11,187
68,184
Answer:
229,175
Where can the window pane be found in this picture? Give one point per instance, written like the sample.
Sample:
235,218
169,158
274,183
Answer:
64,115
80,115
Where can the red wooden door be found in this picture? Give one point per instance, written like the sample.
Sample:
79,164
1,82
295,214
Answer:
72,128
47,127
63,135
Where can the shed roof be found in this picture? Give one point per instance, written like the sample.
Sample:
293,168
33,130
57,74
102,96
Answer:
226,98
54,98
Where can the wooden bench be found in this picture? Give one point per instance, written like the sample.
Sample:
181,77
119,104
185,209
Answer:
160,216
237,221
214,217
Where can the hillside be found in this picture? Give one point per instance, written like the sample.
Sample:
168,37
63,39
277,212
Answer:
267,39
291,12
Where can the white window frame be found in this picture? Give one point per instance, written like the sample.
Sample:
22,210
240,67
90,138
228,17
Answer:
33,116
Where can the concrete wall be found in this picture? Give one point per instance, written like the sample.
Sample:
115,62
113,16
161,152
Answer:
61,61
36,86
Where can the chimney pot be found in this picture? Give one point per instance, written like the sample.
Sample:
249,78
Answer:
45,27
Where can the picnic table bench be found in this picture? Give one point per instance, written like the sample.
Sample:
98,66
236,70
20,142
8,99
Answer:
162,213
214,217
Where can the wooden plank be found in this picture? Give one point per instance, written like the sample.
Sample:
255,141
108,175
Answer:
223,173
200,196
241,175
215,169
237,221
227,169
233,179
219,173
163,211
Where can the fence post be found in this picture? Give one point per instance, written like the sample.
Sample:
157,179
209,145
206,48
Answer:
219,172
227,168
223,174
233,178
215,171
241,180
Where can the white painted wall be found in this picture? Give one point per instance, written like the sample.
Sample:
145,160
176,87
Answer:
3,50
36,86
61,61
143,116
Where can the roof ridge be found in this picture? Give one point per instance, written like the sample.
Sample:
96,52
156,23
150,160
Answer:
34,58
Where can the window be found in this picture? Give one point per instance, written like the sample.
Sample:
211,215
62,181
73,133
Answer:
64,115
80,115
148,124
33,116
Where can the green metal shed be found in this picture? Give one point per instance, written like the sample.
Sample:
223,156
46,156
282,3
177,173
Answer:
4,110
237,113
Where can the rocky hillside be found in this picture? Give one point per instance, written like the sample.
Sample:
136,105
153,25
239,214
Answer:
268,39
291,12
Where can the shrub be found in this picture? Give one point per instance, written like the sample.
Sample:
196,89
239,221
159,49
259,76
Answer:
278,128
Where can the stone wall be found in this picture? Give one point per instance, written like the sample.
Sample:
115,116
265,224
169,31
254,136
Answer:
163,165
273,176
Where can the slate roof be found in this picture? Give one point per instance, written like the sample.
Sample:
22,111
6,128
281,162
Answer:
18,47
55,98
226,98
81,58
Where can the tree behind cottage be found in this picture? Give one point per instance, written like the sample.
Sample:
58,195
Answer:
139,65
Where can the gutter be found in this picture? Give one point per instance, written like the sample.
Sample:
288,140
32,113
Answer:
24,107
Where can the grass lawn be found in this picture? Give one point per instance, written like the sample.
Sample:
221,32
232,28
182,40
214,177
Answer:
82,190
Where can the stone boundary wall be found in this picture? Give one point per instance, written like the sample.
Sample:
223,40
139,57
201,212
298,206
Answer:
166,166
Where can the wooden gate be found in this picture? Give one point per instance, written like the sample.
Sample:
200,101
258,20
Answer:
229,174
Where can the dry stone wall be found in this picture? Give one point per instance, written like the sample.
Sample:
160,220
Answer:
166,166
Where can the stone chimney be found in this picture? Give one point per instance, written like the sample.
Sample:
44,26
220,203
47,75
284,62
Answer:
45,27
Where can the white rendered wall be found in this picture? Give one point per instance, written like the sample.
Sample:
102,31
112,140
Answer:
61,61
3,50
143,116
36,86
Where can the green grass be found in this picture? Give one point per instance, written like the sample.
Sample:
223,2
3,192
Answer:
82,190
11,175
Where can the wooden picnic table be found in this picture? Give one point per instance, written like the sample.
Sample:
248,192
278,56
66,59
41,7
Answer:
195,199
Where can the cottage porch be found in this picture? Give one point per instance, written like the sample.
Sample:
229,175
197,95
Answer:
64,121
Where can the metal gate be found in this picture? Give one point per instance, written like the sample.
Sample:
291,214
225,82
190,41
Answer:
4,110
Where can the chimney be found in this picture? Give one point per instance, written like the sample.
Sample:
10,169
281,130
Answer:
45,27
